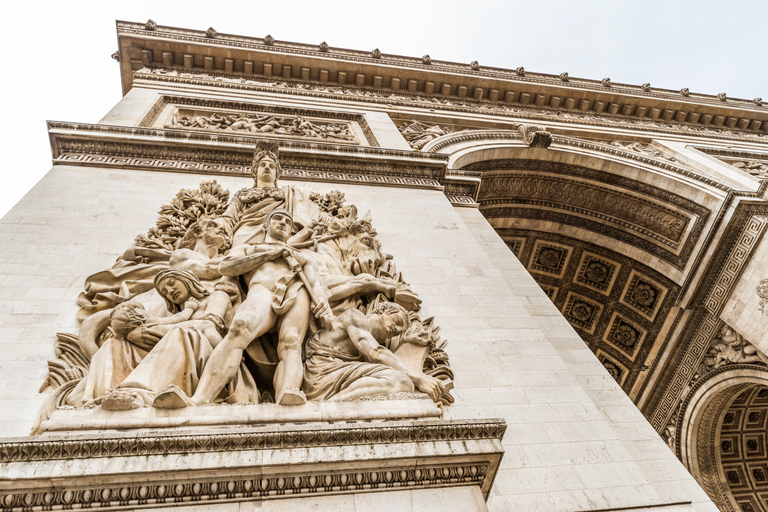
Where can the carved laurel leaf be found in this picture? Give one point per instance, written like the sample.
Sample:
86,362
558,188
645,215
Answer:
189,206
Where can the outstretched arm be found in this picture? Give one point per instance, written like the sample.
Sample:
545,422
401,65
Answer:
367,345
203,267
240,262
321,309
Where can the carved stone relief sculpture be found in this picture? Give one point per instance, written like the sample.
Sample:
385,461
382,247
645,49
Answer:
756,168
263,124
731,348
639,147
273,296
419,134
762,292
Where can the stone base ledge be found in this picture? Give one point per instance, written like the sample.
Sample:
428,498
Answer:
97,419
148,469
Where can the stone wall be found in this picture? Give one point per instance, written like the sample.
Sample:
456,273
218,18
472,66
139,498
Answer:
574,440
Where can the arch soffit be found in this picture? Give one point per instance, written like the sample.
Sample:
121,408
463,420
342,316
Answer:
697,430
473,146
625,198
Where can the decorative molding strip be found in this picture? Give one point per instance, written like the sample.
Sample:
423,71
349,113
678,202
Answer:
732,268
474,135
137,496
150,149
559,142
733,153
463,105
464,201
60,129
161,442
694,353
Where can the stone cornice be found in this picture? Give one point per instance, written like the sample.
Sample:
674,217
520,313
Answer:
212,153
151,469
401,98
474,77
44,448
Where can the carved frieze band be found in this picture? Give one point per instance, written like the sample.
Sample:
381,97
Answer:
115,446
694,353
214,104
463,105
630,212
732,268
218,169
136,496
366,166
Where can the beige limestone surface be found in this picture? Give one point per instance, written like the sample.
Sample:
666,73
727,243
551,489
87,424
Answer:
574,440
743,311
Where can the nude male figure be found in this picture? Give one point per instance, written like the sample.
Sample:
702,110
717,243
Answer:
348,361
276,298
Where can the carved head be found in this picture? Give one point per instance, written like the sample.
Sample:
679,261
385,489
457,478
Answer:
363,253
393,318
278,224
209,232
266,167
126,317
177,286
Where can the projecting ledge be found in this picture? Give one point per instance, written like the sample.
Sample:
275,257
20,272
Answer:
154,468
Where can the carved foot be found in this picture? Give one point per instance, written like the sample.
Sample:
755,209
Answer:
291,396
172,398
122,400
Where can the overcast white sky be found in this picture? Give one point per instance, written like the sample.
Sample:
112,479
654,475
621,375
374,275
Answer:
58,67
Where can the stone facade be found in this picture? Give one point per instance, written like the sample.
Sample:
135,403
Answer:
591,253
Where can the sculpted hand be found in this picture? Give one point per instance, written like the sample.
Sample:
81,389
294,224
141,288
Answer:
386,286
323,313
144,337
192,303
416,336
429,385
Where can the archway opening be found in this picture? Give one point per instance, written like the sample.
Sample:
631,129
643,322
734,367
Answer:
743,459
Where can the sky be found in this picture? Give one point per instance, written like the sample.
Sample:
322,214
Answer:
59,66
